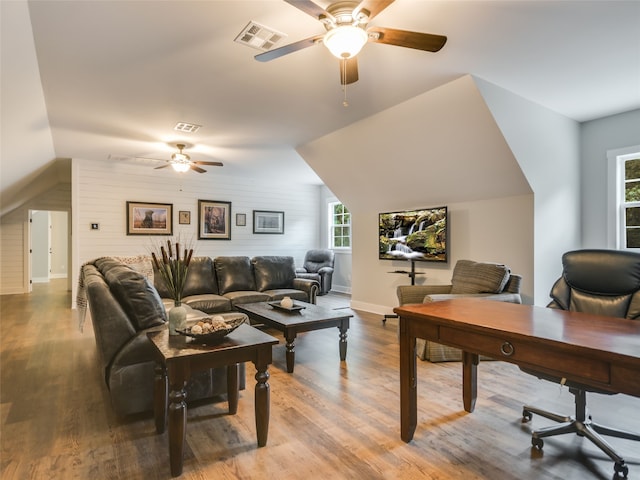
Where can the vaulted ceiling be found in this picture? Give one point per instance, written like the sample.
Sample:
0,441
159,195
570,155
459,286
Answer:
87,80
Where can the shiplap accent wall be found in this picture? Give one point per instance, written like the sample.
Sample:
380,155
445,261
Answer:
101,190
14,275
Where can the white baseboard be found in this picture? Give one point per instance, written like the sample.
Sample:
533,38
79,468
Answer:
40,280
58,275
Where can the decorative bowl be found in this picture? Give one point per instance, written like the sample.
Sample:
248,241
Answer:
219,328
293,308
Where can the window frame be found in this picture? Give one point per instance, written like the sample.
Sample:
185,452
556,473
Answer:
331,227
616,237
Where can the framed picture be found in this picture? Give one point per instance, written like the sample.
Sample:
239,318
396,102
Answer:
149,218
214,220
241,219
268,222
184,217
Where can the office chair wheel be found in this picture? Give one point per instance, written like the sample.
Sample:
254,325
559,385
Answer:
537,443
621,469
526,416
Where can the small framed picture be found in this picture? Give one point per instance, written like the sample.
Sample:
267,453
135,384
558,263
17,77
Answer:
268,222
214,220
149,218
241,219
184,217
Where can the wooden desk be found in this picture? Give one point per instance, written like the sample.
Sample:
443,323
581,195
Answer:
602,352
179,356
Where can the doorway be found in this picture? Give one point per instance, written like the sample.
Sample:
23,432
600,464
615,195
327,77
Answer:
48,245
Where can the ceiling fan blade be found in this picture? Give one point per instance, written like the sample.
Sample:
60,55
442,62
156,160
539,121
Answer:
310,8
161,166
214,164
403,38
348,71
197,169
286,49
374,7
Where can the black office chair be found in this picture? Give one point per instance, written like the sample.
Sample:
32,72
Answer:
602,282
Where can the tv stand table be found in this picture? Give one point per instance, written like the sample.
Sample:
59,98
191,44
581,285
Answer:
412,275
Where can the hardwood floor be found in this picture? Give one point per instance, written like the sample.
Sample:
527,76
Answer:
328,420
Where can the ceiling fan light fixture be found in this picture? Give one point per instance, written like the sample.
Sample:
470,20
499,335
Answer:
345,41
180,167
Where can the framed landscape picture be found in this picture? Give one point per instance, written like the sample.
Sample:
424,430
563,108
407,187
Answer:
149,218
214,220
268,222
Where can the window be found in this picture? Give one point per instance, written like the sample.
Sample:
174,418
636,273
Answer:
339,226
630,202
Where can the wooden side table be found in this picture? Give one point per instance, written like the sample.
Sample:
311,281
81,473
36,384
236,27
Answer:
179,356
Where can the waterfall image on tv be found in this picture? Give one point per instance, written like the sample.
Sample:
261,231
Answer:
414,235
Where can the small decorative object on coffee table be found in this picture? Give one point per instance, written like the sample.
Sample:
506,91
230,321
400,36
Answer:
173,271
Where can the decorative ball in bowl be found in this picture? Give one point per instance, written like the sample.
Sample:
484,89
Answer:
212,328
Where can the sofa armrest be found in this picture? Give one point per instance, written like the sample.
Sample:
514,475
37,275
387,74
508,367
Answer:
416,293
325,270
311,287
301,270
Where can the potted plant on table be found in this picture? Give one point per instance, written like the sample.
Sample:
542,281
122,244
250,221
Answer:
173,268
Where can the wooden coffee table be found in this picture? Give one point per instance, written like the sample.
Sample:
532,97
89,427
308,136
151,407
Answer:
311,317
178,357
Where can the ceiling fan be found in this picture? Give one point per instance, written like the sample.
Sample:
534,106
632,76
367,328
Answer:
347,32
180,162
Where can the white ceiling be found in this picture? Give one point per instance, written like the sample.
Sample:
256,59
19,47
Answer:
118,75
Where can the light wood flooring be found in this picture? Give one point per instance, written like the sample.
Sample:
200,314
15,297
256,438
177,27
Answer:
329,420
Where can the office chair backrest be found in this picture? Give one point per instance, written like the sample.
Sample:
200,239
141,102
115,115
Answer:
602,282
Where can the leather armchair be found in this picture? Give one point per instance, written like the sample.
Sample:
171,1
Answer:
601,282
489,281
318,265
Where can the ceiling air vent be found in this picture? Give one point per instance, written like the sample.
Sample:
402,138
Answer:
259,37
186,127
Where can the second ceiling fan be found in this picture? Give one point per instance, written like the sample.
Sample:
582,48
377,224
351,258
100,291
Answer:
347,32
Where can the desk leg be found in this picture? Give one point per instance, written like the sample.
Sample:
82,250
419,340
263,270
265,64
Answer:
291,351
469,380
262,400
232,388
344,326
177,421
160,398
408,390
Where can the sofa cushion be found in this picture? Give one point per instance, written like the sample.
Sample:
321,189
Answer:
273,272
476,277
246,296
200,277
208,303
234,274
138,298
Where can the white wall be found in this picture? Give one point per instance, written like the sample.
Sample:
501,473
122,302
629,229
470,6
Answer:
597,137
546,145
102,189
59,244
496,230
40,238
440,148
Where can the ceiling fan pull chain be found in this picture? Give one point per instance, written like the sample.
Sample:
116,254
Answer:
344,82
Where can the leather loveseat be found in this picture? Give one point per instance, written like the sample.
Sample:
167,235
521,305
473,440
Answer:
219,284
124,306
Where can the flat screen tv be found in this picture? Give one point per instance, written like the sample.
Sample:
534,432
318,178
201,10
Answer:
414,235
